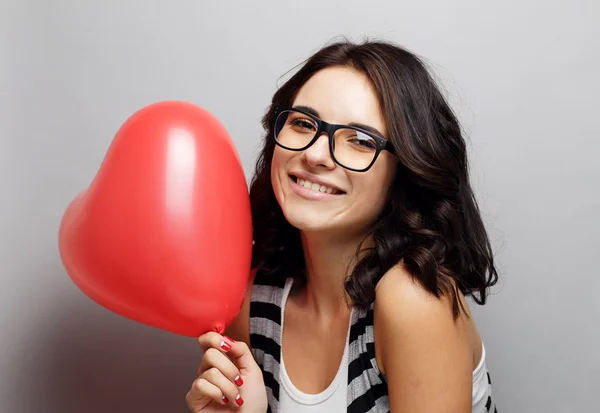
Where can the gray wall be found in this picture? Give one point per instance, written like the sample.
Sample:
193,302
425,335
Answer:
523,75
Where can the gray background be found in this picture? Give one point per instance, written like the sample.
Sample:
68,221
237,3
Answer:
522,74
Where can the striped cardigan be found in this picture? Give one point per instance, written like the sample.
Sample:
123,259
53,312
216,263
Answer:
367,387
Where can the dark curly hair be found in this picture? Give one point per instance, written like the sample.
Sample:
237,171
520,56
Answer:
431,220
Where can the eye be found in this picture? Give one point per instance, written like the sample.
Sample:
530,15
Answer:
365,141
303,124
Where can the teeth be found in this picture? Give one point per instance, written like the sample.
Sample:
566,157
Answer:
316,187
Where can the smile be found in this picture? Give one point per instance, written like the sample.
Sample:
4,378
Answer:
307,187
316,187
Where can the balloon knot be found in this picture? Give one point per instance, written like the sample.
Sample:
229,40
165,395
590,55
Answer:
219,328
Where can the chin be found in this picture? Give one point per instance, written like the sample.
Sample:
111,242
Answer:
308,221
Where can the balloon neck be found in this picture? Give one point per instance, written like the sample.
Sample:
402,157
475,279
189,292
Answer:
219,328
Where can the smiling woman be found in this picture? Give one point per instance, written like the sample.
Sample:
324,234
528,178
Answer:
367,240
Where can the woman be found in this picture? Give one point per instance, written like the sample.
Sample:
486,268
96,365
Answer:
367,240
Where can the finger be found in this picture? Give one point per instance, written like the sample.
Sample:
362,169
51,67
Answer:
214,358
202,393
242,357
229,390
215,340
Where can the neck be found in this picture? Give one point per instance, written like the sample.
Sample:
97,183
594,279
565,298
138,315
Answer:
328,264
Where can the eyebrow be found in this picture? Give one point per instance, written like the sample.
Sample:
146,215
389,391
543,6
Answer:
362,126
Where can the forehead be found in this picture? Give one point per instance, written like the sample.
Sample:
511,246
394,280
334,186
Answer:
342,95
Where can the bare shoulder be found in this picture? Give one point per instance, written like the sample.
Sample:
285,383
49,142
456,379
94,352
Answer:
400,296
404,310
420,347
239,329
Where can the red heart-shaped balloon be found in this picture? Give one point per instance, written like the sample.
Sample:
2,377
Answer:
163,234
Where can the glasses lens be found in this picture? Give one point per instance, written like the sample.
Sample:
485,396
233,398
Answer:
354,149
294,130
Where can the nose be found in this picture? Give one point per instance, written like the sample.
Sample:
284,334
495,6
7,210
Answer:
318,155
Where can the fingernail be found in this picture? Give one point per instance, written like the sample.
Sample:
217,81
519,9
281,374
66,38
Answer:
225,399
238,381
225,345
229,339
238,400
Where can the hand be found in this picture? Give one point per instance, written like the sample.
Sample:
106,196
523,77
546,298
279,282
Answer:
229,380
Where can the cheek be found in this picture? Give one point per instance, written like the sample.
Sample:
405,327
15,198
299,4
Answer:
373,189
277,165
274,176
278,161
372,195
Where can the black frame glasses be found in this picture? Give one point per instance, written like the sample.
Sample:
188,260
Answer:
330,129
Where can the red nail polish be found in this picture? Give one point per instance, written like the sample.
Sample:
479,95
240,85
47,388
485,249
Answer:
229,339
238,381
238,400
225,345
225,399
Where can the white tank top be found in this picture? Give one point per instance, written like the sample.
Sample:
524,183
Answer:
334,397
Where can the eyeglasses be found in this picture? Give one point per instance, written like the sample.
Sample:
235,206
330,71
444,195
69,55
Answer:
350,147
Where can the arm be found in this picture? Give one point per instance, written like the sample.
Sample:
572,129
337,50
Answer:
424,353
